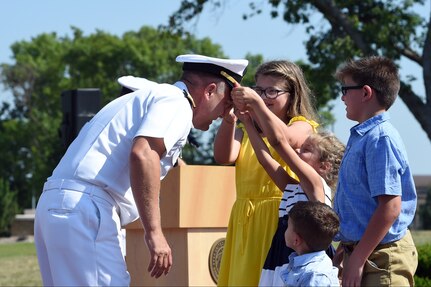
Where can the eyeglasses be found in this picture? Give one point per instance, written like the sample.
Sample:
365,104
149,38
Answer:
270,93
344,89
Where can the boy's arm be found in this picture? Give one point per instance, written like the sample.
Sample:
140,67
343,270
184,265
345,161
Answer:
387,211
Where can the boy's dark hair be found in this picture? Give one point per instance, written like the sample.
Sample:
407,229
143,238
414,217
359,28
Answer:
315,222
380,73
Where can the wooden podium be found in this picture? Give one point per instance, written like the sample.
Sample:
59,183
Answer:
195,204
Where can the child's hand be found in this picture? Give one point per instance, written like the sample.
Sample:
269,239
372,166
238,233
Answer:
244,98
229,116
244,117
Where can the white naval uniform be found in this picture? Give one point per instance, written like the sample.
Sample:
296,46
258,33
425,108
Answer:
88,197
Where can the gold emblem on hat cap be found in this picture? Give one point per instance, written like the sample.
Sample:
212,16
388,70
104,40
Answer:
229,77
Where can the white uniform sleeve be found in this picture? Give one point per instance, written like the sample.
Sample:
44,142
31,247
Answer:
168,118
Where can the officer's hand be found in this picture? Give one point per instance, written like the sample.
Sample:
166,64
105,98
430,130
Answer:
160,254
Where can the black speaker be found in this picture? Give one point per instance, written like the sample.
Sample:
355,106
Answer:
78,106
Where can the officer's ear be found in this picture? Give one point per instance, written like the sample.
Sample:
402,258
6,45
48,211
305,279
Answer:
210,90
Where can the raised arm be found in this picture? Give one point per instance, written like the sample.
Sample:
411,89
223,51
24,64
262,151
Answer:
309,179
284,139
247,99
227,141
271,166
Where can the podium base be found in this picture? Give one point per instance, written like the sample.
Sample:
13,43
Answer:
195,204
196,257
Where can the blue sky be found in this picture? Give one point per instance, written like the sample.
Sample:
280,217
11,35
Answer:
274,39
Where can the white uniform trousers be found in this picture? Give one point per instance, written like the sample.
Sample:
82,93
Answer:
77,236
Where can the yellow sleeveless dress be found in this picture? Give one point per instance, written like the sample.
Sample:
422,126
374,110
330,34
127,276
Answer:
254,217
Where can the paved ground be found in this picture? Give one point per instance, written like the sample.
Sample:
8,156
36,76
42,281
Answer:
13,239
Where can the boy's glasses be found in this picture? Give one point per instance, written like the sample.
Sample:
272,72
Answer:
270,93
344,89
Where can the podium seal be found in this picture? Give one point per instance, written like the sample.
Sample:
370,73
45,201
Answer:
214,259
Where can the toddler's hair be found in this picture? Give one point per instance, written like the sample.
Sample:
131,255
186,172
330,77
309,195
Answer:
331,150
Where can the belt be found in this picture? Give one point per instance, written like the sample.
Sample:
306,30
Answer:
80,186
350,246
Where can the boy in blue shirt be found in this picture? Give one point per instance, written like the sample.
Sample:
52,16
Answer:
376,197
311,228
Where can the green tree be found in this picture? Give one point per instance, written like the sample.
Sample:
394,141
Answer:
352,29
48,64
8,205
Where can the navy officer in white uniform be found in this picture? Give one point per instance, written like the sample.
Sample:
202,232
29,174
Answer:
110,175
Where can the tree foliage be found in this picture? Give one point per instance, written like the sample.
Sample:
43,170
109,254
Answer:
48,64
8,205
350,29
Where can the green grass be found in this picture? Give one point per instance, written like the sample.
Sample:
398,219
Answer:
421,237
19,267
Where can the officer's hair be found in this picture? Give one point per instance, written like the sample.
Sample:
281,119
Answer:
204,79
315,222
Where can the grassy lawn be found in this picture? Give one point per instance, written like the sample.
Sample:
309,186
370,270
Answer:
421,237
19,267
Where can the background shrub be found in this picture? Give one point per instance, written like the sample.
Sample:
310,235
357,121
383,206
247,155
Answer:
8,207
423,273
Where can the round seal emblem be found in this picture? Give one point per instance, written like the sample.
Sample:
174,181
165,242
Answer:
214,259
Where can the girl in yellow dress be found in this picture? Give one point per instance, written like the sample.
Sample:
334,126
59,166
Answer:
254,216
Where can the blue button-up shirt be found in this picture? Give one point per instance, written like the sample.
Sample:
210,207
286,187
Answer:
310,269
374,164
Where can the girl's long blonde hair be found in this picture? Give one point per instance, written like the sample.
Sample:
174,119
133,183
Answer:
301,99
